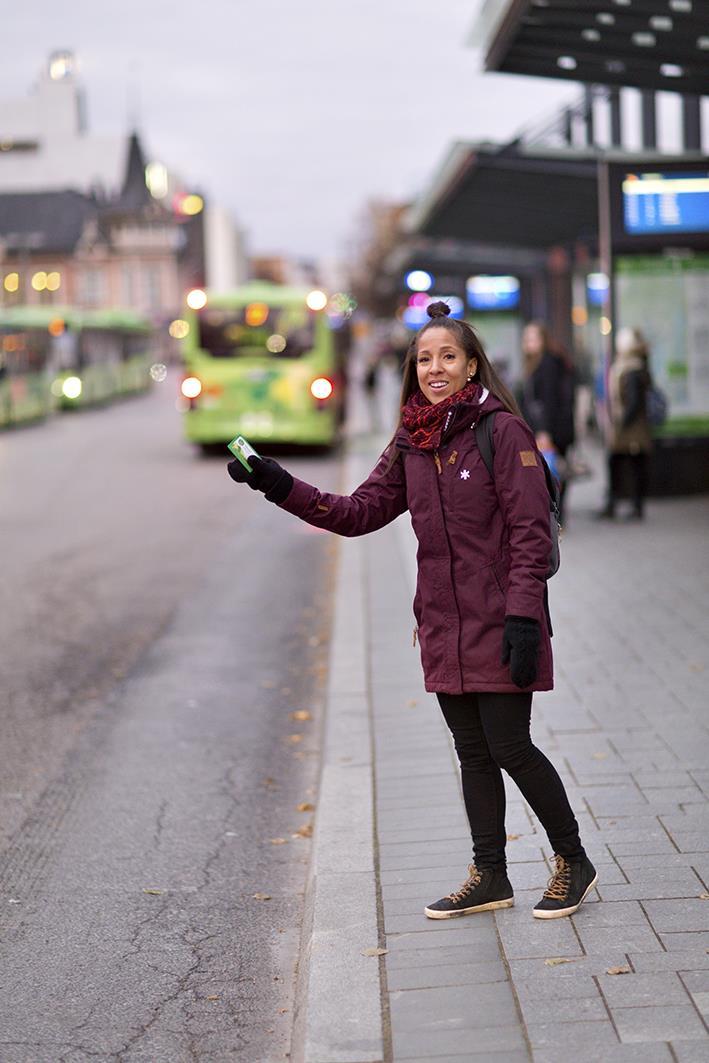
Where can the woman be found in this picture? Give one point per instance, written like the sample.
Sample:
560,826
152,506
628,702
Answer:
629,436
480,605
547,397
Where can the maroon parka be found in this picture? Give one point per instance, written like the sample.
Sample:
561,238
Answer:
483,546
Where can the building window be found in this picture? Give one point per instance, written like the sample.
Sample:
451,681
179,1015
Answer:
151,280
92,287
128,286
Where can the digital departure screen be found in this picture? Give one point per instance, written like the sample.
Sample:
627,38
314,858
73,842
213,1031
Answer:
487,292
664,203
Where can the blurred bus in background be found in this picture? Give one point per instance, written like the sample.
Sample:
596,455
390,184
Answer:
63,357
264,362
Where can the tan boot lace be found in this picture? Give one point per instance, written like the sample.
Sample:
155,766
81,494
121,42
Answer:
470,883
558,885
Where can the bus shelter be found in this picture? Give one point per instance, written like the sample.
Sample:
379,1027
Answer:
626,241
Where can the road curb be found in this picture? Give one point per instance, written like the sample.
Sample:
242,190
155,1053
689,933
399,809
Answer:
338,1017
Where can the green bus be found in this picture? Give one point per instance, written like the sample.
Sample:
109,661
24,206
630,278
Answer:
101,355
53,356
25,368
262,361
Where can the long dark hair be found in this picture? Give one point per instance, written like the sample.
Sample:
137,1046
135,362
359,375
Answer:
467,338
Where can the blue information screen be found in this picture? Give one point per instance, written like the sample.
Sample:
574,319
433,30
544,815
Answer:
666,203
492,292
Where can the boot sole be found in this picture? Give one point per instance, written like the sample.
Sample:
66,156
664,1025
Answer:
560,912
433,914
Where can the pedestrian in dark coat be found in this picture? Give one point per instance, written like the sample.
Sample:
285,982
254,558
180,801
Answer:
547,394
480,605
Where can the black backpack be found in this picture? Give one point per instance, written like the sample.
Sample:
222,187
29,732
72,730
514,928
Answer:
483,435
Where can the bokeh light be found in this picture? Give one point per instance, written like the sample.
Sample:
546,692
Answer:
71,387
276,343
158,372
255,314
321,388
11,282
418,280
39,281
191,387
196,299
316,300
179,329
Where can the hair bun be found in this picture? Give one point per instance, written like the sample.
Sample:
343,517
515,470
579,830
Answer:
438,309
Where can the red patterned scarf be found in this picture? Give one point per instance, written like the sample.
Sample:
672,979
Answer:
425,421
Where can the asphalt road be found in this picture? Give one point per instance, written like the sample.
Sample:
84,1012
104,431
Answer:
160,627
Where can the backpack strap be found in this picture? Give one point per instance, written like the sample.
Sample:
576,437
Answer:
483,436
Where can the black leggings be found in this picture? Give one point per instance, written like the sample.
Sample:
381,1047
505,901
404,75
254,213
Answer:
630,471
491,731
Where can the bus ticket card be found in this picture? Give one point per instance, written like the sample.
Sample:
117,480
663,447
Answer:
242,450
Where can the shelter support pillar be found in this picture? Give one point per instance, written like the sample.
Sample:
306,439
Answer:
560,295
692,123
616,124
588,115
649,118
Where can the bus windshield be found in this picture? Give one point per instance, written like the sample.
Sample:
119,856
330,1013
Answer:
256,329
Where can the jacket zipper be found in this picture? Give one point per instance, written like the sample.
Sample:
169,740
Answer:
450,554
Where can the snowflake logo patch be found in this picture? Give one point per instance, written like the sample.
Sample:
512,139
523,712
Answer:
464,474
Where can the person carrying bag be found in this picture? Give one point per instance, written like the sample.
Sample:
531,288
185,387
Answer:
480,605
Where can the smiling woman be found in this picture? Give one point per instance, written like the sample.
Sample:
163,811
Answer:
481,605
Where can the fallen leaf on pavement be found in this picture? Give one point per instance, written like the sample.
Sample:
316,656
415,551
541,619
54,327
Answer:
305,831
305,806
600,756
513,837
301,714
374,952
261,896
153,893
295,738
213,998
704,896
554,961
625,969
279,841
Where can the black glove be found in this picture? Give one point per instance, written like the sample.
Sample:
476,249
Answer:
266,475
520,646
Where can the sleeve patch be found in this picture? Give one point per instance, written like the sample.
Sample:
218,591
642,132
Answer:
528,457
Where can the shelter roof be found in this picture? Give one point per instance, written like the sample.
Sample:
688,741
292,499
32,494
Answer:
511,196
654,44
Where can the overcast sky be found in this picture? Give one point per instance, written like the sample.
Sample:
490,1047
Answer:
292,113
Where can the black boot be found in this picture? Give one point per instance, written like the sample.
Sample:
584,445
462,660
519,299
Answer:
486,888
568,888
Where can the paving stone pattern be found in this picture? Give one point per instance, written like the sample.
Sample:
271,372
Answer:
628,728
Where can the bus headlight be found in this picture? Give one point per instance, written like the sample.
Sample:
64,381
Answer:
71,387
191,387
321,388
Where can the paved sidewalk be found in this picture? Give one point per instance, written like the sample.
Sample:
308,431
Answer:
627,726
